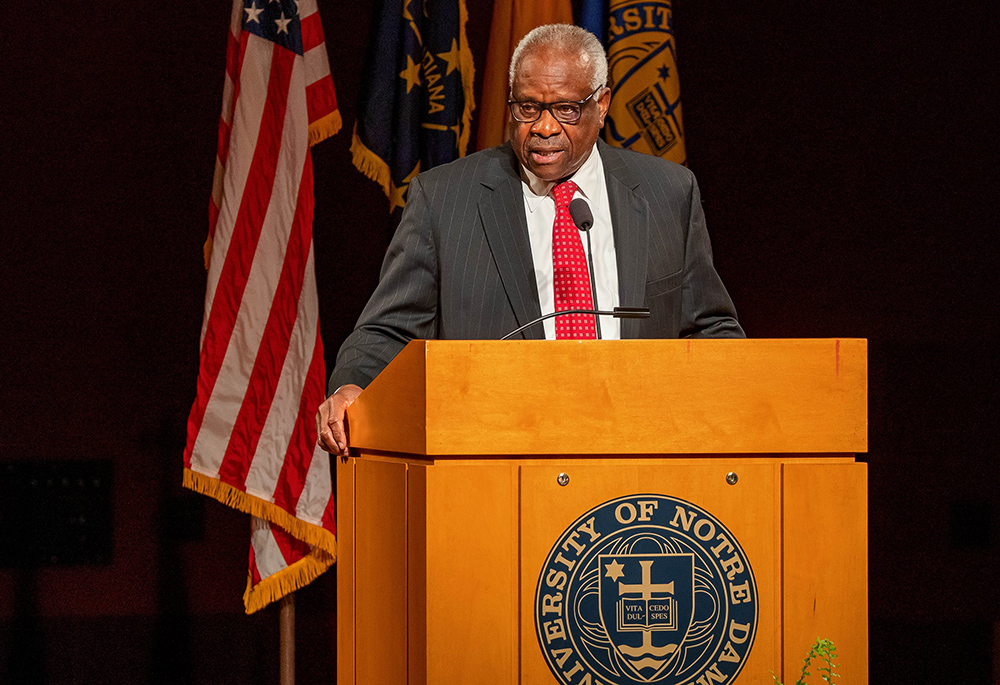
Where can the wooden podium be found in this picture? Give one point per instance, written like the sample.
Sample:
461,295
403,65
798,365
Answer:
451,501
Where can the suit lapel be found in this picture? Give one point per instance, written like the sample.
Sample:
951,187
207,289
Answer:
501,210
630,222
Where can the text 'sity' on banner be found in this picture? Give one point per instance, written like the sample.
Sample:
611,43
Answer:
645,112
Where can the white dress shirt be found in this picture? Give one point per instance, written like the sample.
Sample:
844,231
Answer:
540,209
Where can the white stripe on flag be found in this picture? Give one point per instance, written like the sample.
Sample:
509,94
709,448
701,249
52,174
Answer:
282,418
236,20
317,63
317,490
307,7
228,88
267,555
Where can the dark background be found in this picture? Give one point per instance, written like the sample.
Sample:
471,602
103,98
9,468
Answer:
847,158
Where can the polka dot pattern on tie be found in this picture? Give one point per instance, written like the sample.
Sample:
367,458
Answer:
570,276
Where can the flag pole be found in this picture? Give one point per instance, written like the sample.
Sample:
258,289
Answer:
286,627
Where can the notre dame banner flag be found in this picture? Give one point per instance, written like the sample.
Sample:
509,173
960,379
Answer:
645,112
416,100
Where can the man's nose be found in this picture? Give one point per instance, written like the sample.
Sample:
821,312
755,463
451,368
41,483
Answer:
546,126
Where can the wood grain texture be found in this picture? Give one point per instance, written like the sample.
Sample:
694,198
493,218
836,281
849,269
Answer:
380,587
345,571
471,613
825,577
618,397
416,574
394,407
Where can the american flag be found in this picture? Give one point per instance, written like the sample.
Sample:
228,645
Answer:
251,436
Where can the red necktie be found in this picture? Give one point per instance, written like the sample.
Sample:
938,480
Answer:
570,277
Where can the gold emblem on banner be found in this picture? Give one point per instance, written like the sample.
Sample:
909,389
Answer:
645,113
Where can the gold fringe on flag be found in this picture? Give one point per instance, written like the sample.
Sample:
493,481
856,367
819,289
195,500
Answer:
207,251
369,163
321,129
468,69
286,581
315,535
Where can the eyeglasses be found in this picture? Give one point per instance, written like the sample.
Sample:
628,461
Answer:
567,112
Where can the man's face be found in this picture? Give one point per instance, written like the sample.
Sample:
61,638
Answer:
549,149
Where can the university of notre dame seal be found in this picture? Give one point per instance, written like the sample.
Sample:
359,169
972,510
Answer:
646,589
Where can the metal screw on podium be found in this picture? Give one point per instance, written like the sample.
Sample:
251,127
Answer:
731,478
563,479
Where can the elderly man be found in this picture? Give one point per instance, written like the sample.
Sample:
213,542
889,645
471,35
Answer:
487,244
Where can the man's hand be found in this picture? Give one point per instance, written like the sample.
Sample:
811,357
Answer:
330,419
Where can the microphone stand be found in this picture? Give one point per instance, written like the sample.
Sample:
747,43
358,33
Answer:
583,218
617,312
593,283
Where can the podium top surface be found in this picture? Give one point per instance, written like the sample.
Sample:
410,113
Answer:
538,397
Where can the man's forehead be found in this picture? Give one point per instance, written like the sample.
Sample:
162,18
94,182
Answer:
546,63
548,56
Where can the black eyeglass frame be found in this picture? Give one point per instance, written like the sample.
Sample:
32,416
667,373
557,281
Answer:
547,107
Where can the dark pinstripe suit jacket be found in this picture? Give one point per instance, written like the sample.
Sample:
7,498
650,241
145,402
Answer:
460,264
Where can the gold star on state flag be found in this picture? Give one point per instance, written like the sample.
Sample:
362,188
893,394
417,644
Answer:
411,74
452,57
397,193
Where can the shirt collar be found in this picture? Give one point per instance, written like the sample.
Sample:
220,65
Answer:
587,178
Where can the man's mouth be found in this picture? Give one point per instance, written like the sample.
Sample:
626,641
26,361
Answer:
545,155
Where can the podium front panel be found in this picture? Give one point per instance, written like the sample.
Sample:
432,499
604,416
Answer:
441,562
826,564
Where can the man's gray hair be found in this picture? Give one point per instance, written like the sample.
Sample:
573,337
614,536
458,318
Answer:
569,39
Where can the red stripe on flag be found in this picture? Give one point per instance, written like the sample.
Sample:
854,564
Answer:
243,244
274,343
254,571
224,132
301,446
234,55
244,41
321,98
312,32
291,548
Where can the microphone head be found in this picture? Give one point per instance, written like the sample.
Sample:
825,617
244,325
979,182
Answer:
582,216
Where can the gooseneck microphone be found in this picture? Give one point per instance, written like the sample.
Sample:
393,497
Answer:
617,312
582,216
579,210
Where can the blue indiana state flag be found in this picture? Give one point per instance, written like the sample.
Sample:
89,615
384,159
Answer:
416,101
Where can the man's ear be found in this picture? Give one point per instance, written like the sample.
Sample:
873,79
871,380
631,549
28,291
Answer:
603,103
